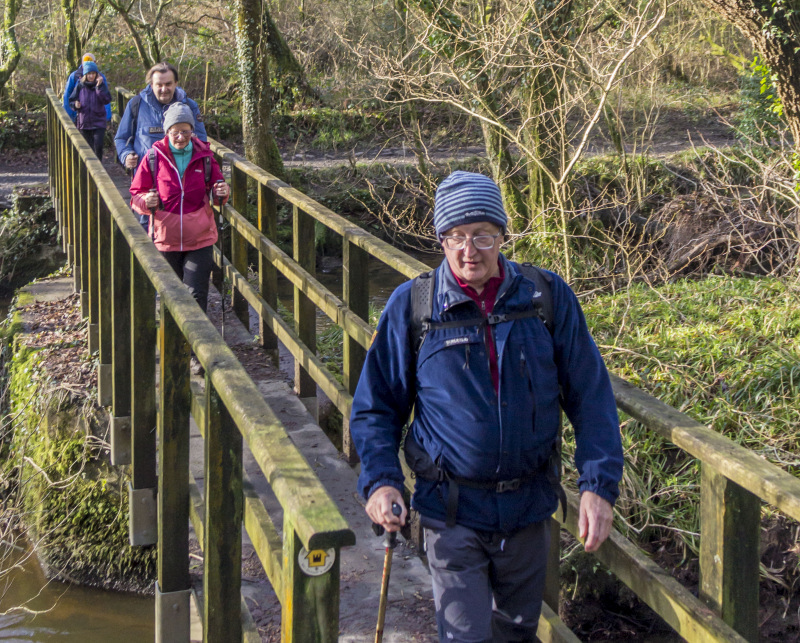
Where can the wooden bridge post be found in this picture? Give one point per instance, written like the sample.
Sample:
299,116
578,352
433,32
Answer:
729,551
66,195
305,313
239,245
82,224
310,605
74,218
267,273
224,506
92,260
143,526
173,591
552,585
51,160
104,302
355,291
121,261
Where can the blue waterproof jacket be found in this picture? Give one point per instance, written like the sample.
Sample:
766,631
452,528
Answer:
150,124
470,431
73,79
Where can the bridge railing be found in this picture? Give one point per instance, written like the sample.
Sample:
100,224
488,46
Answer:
734,481
144,377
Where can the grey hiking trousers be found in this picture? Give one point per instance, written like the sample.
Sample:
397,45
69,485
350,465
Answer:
487,587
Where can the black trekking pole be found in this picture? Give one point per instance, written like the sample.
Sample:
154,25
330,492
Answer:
222,227
389,542
153,219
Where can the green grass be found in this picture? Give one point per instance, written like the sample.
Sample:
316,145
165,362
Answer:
725,351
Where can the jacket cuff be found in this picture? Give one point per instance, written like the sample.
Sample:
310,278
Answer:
384,482
609,496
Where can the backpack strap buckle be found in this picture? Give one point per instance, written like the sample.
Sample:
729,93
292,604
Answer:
508,485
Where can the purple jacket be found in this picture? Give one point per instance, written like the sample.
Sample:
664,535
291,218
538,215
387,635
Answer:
93,99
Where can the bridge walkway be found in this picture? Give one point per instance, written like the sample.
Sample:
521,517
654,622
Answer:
409,614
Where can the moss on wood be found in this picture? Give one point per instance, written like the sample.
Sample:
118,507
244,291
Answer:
61,488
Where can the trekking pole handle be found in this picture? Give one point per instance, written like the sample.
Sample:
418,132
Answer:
390,538
217,199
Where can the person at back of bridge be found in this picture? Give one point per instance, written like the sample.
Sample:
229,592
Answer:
484,353
73,79
89,98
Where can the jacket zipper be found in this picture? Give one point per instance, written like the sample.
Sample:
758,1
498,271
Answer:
180,182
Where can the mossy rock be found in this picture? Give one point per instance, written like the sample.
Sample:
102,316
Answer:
71,503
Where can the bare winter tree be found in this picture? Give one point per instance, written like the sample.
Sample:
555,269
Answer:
142,26
536,74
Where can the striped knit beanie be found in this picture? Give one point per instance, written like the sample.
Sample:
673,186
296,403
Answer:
466,197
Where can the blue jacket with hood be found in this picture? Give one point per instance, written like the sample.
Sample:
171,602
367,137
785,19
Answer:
150,124
464,426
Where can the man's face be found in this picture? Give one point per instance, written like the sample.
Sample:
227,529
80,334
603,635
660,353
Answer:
163,84
472,266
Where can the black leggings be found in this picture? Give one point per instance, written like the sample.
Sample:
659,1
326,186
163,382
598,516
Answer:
193,268
95,138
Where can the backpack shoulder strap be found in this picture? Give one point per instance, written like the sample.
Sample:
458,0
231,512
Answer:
542,280
207,170
421,307
134,104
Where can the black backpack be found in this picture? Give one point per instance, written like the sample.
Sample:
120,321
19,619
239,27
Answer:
418,460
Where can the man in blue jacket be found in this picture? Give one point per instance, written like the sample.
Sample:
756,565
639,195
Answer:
73,79
142,124
485,385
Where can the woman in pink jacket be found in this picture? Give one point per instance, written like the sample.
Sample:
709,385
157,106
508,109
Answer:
176,199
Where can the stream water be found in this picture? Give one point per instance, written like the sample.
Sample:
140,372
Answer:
35,610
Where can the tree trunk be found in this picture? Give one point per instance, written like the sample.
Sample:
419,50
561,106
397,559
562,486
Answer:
72,55
286,65
776,38
254,79
144,55
9,48
76,43
505,174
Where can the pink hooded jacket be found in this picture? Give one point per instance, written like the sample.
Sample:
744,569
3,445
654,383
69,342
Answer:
185,221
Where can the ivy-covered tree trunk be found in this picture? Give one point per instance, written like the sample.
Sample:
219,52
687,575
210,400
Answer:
774,30
76,37
9,49
254,79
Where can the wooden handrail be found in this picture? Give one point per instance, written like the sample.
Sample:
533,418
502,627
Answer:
311,518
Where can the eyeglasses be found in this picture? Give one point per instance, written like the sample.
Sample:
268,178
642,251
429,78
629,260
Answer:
481,241
180,133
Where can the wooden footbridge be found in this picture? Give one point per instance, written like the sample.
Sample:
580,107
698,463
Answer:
118,273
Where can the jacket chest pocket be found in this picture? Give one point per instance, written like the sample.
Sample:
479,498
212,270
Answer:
452,350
